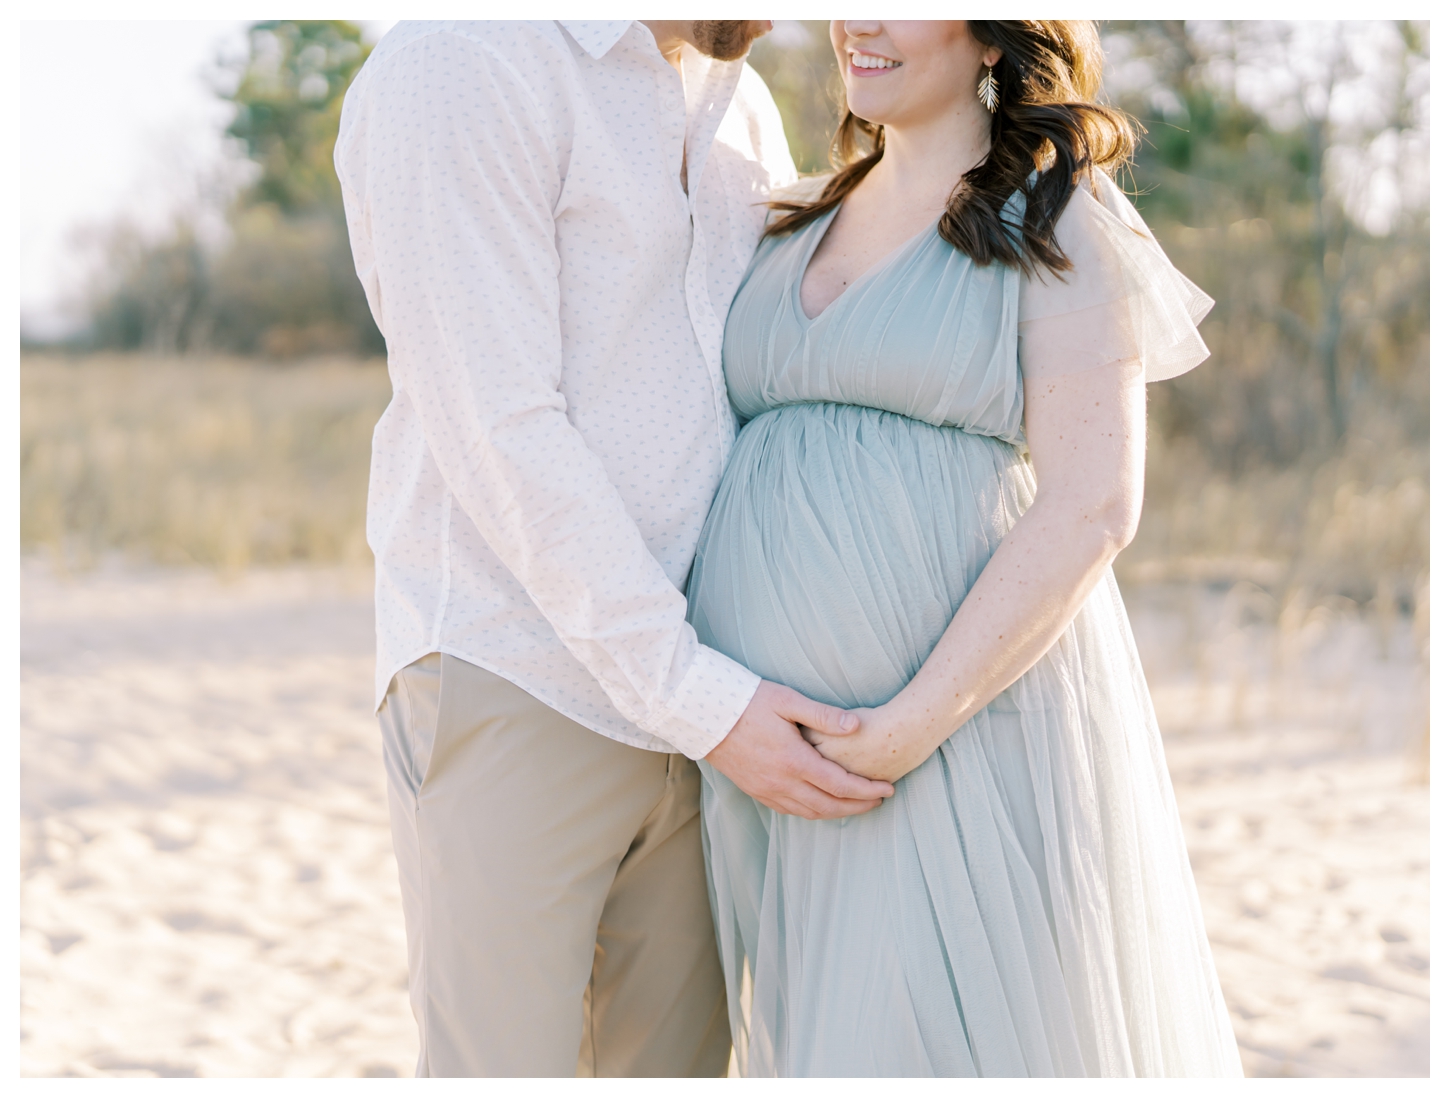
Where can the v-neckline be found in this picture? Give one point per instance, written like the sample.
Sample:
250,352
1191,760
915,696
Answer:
870,272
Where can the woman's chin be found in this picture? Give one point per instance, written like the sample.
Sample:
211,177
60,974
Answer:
879,110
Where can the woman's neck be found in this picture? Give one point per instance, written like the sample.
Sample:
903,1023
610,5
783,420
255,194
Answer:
923,162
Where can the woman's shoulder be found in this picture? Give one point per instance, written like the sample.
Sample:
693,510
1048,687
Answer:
1121,281
1110,247
1098,221
1108,198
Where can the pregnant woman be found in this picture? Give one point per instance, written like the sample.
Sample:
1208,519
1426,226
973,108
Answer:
941,356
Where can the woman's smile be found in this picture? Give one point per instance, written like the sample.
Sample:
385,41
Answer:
871,64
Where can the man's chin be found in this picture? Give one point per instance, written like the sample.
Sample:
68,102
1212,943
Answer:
727,39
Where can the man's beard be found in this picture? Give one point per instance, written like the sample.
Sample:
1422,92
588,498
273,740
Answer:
726,39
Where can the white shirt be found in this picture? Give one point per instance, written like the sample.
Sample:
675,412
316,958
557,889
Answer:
553,304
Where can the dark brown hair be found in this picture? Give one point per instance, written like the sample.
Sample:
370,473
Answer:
1046,121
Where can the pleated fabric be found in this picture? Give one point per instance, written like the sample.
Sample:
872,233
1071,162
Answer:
1023,906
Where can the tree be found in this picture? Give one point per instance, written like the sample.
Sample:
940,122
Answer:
282,284
1257,201
288,94
286,285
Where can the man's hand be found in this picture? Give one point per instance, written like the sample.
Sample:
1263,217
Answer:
766,756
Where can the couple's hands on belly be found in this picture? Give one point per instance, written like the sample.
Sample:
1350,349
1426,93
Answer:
883,747
767,756
1086,432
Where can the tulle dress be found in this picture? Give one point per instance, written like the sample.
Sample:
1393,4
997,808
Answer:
1023,906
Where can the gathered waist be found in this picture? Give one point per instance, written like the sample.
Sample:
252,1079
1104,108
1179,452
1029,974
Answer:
843,413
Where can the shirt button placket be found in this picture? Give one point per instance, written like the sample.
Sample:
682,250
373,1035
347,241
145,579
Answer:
672,111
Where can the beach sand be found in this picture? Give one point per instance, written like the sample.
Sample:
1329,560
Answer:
208,886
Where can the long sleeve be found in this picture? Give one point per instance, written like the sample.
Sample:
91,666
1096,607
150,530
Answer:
456,186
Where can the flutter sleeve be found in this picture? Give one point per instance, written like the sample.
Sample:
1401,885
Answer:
1123,298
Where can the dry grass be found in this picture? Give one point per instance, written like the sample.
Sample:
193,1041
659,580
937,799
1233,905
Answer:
1356,525
231,462
220,462
1346,534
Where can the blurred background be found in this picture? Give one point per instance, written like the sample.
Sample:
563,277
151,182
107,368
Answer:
207,878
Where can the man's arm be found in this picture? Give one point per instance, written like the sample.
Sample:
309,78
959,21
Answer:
456,164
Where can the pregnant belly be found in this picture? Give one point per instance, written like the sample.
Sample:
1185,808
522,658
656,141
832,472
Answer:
841,542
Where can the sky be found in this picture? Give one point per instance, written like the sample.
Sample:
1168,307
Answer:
116,118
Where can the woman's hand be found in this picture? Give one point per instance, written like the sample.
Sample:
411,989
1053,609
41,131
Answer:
884,748
1086,432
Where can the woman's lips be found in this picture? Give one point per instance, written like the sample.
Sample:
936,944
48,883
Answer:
876,65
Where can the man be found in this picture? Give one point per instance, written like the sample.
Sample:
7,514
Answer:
550,220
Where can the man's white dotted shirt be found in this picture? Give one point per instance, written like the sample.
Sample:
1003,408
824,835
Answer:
553,302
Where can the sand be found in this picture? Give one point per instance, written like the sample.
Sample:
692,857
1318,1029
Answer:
1299,766
208,888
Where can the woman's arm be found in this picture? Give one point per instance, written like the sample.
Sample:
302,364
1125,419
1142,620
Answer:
1085,432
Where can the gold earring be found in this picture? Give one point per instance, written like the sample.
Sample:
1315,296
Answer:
987,91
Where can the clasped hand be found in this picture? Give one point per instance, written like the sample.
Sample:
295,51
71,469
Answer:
883,747
766,756
858,753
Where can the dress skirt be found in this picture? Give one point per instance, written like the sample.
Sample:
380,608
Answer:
1023,906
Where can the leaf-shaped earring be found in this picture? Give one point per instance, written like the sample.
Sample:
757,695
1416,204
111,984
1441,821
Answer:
987,91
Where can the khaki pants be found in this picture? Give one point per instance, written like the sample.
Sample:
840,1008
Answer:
553,888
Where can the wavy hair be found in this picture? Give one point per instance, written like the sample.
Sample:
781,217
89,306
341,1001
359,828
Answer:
1046,121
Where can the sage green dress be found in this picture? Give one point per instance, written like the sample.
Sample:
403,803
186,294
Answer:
1023,906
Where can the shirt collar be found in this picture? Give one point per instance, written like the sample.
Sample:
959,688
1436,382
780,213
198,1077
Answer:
709,84
596,37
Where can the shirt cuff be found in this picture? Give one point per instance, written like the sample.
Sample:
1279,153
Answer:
706,704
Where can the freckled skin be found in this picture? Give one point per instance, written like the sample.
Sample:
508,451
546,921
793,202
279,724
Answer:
1089,471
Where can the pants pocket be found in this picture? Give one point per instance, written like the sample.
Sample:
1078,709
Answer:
409,722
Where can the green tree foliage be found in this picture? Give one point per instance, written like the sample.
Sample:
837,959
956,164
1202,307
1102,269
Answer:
288,96
1320,322
283,284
